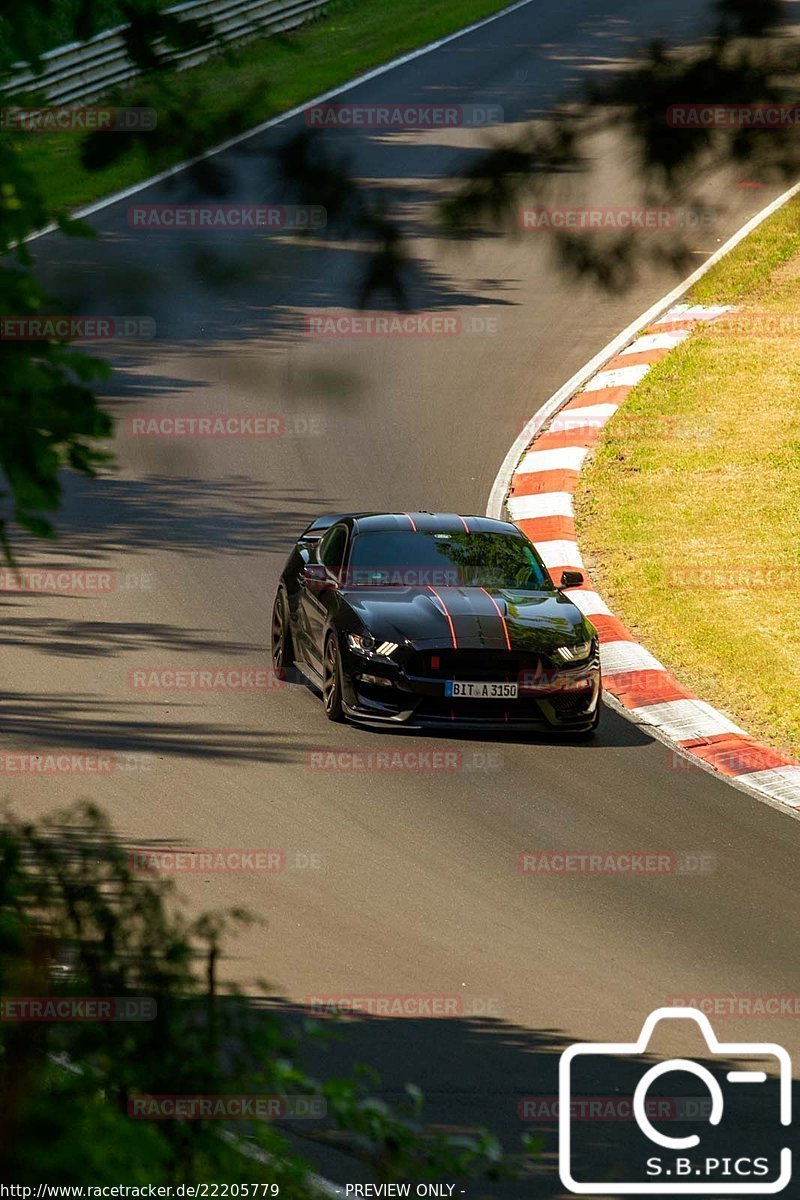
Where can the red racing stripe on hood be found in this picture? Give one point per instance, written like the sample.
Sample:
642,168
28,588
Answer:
447,614
503,621
473,612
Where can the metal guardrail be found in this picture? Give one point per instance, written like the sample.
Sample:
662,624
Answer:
83,71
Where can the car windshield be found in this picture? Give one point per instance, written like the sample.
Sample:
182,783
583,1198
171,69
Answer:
407,559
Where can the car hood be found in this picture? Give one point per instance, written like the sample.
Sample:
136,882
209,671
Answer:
468,617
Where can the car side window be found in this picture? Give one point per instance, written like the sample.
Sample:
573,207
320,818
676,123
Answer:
332,548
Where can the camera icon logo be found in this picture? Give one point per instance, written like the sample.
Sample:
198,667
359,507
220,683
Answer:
648,1160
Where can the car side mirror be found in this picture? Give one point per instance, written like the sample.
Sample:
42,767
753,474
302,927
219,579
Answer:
316,578
571,579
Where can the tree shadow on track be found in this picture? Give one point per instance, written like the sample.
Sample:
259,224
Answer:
37,722
102,639
485,1071
183,515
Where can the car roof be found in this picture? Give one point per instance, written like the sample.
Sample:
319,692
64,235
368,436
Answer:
428,522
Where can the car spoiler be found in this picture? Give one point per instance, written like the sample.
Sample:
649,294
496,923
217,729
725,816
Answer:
316,529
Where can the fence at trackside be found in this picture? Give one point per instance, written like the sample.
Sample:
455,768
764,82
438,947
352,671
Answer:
83,71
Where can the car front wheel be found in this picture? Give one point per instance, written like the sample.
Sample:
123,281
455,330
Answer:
282,648
332,680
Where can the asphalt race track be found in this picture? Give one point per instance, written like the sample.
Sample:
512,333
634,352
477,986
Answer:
414,886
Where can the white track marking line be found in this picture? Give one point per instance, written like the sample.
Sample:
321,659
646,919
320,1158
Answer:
590,603
568,458
693,312
779,782
547,504
684,720
560,553
619,377
657,341
594,416
617,657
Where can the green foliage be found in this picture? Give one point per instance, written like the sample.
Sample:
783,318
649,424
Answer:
77,921
49,416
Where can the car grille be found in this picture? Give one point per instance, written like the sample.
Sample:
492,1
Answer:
491,665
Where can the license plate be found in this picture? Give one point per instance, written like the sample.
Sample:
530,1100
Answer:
480,690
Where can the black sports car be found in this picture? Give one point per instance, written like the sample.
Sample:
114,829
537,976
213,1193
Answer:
433,619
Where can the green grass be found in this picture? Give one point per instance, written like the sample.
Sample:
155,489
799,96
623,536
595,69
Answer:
246,85
747,270
689,512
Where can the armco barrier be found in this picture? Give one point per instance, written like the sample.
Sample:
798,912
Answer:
83,71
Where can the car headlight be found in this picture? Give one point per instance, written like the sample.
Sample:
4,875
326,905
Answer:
575,653
362,643
365,643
